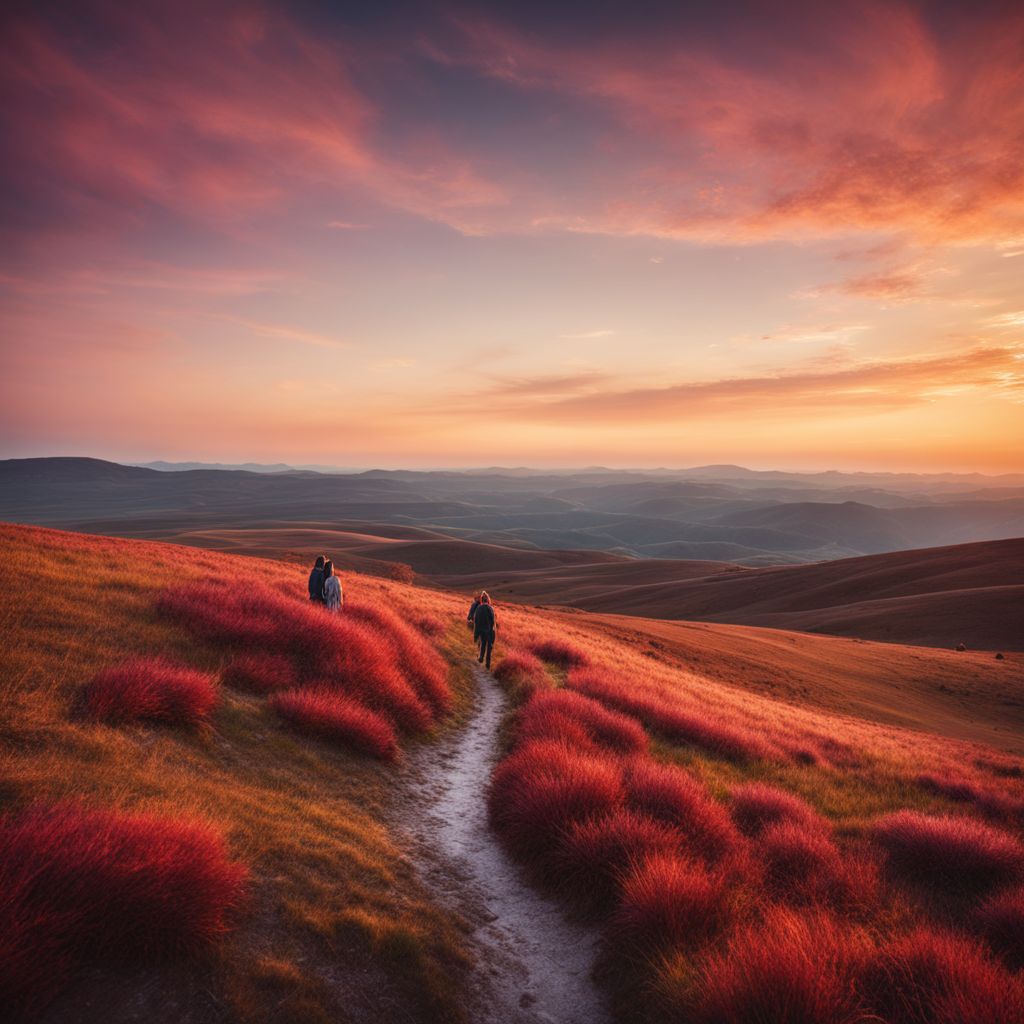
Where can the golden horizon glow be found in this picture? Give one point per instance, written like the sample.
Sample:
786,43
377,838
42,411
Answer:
246,233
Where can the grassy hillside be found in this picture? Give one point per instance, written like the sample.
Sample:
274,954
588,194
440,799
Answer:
742,812
335,925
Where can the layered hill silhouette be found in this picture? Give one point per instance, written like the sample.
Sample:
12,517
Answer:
714,514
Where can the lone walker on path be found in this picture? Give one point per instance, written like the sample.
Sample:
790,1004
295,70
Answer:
332,588
485,625
472,610
316,581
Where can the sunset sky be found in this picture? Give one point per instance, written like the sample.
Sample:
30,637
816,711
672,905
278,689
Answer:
784,235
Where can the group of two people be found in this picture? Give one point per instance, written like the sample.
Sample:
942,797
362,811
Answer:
324,586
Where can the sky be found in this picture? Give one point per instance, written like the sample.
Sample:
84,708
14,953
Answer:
786,235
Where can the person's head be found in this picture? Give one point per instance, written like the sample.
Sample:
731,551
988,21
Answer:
485,598
328,568
319,562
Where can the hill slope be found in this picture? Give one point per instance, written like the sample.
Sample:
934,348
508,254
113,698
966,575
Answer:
971,593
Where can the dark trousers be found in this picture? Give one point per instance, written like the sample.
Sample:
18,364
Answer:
486,646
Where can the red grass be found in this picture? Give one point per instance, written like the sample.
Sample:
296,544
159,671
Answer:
699,729
756,805
543,788
523,672
800,863
338,718
151,690
935,978
430,625
560,652
667,900
266,673
82,886
418,659
1001,921
332,649
994,804
673,796
562,714
955,854
596,852
790,969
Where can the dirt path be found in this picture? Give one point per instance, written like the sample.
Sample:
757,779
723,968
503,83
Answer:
534,965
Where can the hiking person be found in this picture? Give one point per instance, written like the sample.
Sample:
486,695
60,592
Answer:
316,581
485,625
472,610
333,597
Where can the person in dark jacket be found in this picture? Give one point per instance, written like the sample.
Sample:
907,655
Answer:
472,610
485,625
316,581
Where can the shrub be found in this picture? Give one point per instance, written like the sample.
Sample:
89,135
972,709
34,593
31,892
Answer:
595,852
543,788
1001,921
560,652
671,901
80,886
792,968
697,728
676,797
800,863
937,978
563,714
338,718
523,672
756,805
151,690
954,854
266,673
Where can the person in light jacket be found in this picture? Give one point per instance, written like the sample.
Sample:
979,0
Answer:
485,626
316,581
333,596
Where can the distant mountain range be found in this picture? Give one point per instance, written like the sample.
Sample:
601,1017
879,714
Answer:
753,518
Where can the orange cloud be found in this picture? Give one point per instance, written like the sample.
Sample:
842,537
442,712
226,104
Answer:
878,386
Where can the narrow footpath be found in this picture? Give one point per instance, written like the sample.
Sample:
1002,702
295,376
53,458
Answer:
533,964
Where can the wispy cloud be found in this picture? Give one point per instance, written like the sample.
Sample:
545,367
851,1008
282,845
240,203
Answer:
587,335
865,386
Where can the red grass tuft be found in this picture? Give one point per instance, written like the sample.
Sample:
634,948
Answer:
956,854
935,978
560,652
354,656
595,853
1001,922
800,863
151,690
82,886
417,658
676,797
339,718
523,672
265,673
430,625
562,714
543,788
699,729
755,806
989,802
790,969
667,900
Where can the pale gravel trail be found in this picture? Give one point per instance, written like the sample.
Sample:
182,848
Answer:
533,964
